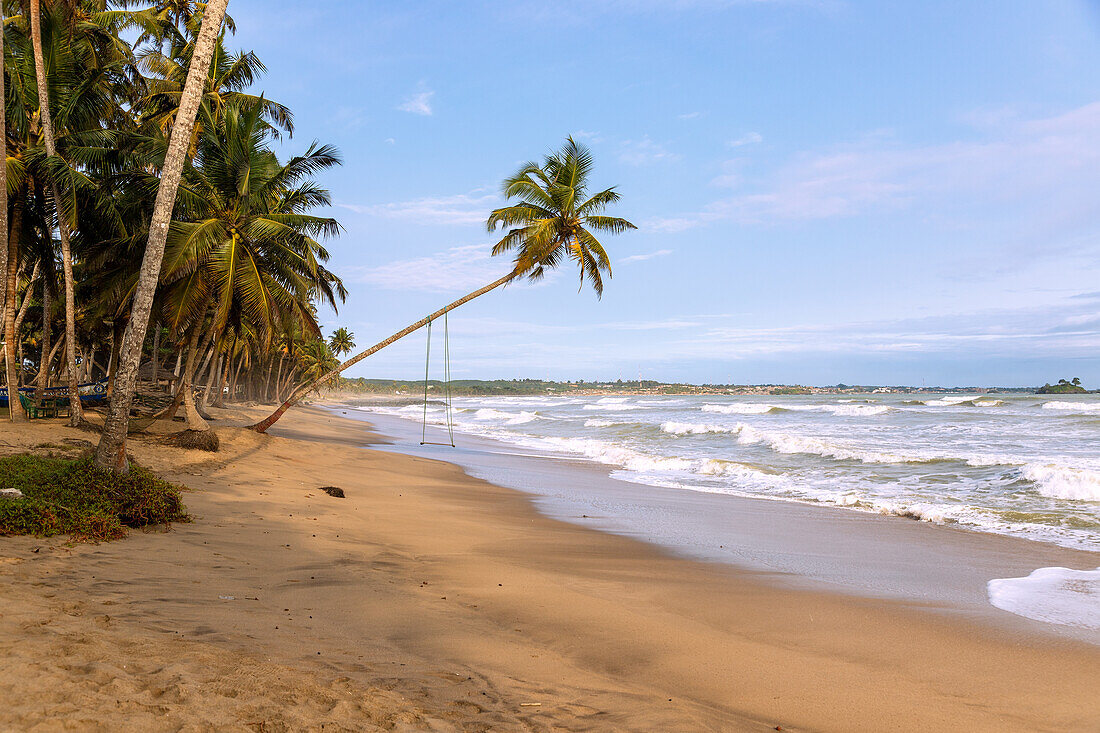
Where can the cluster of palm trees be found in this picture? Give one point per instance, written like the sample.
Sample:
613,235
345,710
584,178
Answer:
94,91
146,219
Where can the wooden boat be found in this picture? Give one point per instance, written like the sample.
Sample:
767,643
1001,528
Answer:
91,393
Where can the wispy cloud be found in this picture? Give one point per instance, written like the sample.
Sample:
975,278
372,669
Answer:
647,256
1046,167
588,136
463,208
645,152
419,103
749,138
456,269
688,116
1053,329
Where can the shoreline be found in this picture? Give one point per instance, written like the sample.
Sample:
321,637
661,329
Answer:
797,544
428,597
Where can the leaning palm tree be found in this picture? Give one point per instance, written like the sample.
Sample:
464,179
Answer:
342,341
551,222
111,451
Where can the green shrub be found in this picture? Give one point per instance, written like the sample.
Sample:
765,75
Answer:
75,497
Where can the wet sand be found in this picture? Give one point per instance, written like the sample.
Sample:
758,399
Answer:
429,600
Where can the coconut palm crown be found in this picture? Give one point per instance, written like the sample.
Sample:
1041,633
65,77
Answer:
555,217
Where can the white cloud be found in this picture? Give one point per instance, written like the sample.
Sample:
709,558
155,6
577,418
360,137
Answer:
462,208
688,116
456,269
592,137
749,138
1059,330
645,152
1042,171
389,141
419,103
647,256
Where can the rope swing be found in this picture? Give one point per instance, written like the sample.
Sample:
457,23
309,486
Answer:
446,383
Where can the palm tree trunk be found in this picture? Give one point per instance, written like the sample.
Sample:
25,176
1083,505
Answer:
156,354
302,391
223,379
279,379
111,451
112,361
267,379
43,373
76,414
11,321
194,419
211,374
4,254
233,381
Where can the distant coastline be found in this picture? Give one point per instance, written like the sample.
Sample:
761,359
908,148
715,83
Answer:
364,387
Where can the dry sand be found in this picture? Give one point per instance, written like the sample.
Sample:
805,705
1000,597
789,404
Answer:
427,600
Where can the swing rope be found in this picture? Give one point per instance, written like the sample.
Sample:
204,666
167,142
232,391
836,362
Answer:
446,383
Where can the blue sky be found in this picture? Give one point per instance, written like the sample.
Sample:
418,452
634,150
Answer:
833,191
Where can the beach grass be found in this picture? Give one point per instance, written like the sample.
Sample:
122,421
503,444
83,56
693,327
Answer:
66,496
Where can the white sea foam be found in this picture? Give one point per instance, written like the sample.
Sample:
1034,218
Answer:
741,408
616,455
509,418
1052,595
686,428
974,460
597,422
1062,482
1072,406
857,410
951,400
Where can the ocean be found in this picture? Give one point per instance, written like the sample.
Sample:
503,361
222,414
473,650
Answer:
1024,466
1021,465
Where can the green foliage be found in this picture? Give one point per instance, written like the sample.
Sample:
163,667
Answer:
73,496
1064,386
555,217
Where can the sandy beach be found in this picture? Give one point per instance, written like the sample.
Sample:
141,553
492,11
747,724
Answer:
429,600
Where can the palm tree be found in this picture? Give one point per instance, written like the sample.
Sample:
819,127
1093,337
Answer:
549,226
111,451
9,258
244,239
342,341
76,410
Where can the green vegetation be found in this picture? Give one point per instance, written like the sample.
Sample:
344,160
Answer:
62,496
552,223
1064,386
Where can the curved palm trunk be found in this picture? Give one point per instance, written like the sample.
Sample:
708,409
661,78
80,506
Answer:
111,451
305,389
76,415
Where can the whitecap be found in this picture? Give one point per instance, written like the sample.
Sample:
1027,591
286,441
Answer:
686,428
741,408
1072,406
1062,482
509,418
601,423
